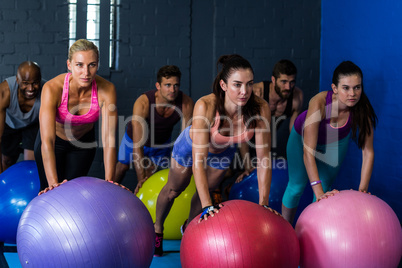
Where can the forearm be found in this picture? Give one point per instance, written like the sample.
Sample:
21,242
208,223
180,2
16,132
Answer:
109,158
367,168
264,175
312,172
244,149
138,161
49,163
201,183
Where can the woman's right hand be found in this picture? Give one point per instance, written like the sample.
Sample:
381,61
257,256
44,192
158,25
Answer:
327,194
209,211
51,187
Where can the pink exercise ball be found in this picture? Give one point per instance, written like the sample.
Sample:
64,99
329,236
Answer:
349,229
242,234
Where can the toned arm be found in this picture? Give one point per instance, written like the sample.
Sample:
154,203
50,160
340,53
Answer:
51,93
140,114
107,94
4,103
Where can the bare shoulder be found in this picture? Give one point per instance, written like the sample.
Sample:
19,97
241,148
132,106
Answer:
187,99
262,102
258,89
4,88
206,106
187,104
54,85
318,101
297,99
142,101
4,95
297,93
103,84
141,106
265,111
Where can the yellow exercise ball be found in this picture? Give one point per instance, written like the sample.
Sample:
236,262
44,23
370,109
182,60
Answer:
148,194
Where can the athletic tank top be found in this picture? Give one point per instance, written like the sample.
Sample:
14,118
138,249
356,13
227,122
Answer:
326,132
15,118
63,115
289,104
159,128
219,139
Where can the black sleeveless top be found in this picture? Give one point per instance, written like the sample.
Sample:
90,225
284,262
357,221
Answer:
289,104
159,128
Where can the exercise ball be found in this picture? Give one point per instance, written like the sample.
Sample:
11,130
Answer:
19,184
349,229
86,222
241,234
148,194
247,189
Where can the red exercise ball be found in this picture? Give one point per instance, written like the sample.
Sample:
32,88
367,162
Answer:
349,229
242,234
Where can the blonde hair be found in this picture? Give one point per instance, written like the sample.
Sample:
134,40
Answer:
82,45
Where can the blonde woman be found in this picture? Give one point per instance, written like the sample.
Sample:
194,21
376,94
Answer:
71,104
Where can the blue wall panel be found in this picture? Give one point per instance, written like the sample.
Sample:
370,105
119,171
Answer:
369,34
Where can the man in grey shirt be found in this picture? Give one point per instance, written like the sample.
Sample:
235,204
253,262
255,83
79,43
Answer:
19,113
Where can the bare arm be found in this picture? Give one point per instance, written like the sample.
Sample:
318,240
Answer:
187,109
200,132
315,113
368,162
258,89
140,114
263,148
297,105
4,103
47,122
109,124
244,149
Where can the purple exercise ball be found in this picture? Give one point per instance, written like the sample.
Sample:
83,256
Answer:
86,222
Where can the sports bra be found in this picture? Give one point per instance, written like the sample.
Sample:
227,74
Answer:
219,139
326,132
63,115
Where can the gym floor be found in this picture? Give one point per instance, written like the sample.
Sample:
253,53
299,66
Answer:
170,259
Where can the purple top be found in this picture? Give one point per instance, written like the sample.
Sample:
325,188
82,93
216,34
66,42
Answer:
326,132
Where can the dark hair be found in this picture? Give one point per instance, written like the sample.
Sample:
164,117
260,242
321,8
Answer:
284,67
363,115
168,71
230,64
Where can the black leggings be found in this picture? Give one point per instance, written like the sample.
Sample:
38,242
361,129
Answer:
71,161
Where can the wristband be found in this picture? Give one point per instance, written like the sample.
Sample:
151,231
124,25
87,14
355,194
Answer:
206,210
315,182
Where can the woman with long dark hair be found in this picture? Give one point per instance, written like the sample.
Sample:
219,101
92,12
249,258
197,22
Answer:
319,139
232,114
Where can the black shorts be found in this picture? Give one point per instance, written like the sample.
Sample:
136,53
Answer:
14,141
71,161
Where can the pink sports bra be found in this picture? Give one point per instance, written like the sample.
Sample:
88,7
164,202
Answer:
63,115
219,139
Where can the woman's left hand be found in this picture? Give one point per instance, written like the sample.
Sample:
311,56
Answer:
209,211
121,185
51,187
364,191
327,194
272,210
